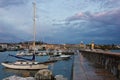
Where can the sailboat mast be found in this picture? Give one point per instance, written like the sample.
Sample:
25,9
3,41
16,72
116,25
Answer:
34,25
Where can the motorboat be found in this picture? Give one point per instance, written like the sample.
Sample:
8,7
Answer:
24,53
65,56
59,57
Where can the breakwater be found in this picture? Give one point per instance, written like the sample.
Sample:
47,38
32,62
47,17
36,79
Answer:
109,60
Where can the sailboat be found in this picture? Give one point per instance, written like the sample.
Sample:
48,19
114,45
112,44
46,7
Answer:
26,63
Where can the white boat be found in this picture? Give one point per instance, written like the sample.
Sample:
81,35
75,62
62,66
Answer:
65,56
30,53
27,63
41,53
59,57
24,53
24,64
20,54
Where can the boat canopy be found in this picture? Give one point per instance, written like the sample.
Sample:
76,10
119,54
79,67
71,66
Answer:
33,58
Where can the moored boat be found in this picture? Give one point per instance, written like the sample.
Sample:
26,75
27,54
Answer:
65,56
26,63
59,57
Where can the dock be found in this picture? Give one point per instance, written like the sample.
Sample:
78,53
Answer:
84,69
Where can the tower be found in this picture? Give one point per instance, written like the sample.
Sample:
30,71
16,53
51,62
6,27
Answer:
92,45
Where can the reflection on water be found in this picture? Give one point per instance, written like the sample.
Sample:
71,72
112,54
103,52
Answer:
118,51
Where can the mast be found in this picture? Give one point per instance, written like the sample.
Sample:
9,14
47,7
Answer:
34,25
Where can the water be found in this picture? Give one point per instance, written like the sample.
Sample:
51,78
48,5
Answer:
58,68
118,51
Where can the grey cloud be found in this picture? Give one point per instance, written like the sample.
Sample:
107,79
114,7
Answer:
102,26
5,3
111,17
10,34
106,3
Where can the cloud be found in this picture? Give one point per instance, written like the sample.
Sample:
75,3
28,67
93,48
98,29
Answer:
8,33
6,3
99,26
4,37
57,21
111,17
105,4
108,17
109,3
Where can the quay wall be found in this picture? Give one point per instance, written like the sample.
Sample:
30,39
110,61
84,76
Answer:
109,60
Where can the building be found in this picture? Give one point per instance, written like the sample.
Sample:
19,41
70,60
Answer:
82,46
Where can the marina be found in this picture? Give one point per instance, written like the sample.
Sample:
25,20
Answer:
62,67
59,40
78,66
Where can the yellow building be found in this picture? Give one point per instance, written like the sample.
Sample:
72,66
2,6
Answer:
92,45
82,46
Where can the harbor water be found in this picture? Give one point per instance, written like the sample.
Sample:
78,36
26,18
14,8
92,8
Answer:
118,51
63,67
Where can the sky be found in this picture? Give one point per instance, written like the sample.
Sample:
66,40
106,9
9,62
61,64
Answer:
61,21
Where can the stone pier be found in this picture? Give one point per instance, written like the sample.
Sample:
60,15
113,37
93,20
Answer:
88,66
110,61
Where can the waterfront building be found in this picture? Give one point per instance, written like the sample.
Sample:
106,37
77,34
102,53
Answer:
3,45
82,46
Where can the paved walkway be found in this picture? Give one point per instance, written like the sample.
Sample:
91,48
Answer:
85,70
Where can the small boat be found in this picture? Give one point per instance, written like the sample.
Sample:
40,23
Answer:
30,53
59,57
65,56
24,53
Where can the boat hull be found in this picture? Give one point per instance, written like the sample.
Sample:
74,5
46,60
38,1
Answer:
25,66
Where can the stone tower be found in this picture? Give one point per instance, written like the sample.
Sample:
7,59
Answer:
92,45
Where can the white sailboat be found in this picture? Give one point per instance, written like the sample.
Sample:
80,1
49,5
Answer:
26,63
